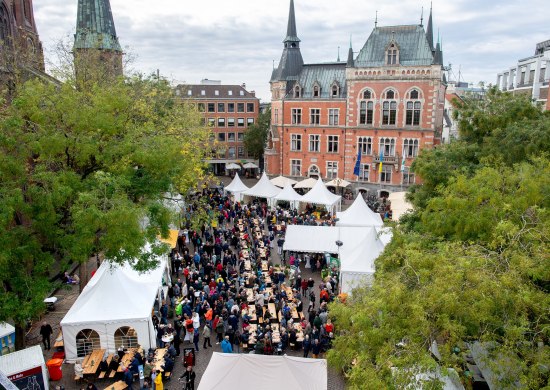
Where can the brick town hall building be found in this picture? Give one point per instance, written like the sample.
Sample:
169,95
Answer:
387,102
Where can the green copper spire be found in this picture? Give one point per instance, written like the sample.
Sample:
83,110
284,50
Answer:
291,34
95,28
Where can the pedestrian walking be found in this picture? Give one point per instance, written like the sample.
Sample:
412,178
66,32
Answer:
46,331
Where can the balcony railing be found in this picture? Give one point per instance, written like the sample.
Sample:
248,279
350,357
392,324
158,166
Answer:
394,159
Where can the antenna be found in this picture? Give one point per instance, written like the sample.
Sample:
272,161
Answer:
422,17
376,19
338,59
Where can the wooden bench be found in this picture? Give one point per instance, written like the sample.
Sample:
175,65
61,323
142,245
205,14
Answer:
112,374
59,344
167,375
103,373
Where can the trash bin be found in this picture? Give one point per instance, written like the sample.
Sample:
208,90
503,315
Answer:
54,369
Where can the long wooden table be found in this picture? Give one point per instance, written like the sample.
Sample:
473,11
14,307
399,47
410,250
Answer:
127,358
120,385
158,360
90,365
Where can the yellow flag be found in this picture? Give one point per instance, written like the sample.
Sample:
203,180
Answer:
380,168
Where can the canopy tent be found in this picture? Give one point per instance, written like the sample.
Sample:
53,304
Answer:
116,296
226,371
307,183
250,165
236,187
312,239
357,259
359,214
399,205
172,238
281,181
319,194
289,194
338,183
263,189
230,166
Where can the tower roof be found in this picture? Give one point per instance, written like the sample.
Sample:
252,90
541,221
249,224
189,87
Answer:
350,61
291,62
95,28
430,31
414,49
291,34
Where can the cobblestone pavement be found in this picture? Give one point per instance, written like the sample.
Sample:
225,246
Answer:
68,295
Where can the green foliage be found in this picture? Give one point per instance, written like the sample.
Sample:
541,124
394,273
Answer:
472,263
81,170
256,135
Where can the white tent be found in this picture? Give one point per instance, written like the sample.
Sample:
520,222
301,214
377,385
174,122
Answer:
228,371
236,187
359,214
312,239
115,297
281,181
319,194
289,194
306,183
357,259
399,205
231,166
250,165
263,189
338,183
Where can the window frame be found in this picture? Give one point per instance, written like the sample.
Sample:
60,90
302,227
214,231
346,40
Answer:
295,142
295,166
331,169
332,117
316,141
333,142
365,143
296,116
315,116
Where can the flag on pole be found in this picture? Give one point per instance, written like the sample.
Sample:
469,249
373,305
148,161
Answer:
403,162
357,168
381,160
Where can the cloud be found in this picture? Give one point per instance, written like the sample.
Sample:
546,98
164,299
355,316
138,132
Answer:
237,41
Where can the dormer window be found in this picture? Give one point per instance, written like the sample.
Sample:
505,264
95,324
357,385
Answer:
392,54
297,91
316,91
335,90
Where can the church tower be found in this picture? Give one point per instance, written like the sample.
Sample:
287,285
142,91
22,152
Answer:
96,49
20,46
282,80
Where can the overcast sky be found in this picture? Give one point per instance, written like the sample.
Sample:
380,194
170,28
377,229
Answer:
237,41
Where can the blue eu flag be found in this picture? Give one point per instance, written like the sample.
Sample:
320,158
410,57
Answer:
357,168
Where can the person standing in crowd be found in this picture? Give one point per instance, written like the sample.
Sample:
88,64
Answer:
46,331
189,377
226,345
206,332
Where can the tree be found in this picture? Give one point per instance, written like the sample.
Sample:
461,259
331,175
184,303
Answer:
469,265
81,170
256,135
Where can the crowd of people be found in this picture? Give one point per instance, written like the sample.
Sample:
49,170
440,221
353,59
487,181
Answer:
225,278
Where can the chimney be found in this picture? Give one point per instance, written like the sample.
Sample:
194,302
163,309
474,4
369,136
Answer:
243,85
253,93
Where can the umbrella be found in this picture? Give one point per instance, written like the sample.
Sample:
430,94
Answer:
250,165
338,183
307,183
280,181
232,166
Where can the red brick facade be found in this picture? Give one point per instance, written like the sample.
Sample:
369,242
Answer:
229,110
326,146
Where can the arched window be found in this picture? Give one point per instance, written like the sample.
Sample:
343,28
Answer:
335,90
366,108
297,91
126,337
410,147
414,109
4,24
364,144
387,147
389,108
316,91
313,171
392,54
86,341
